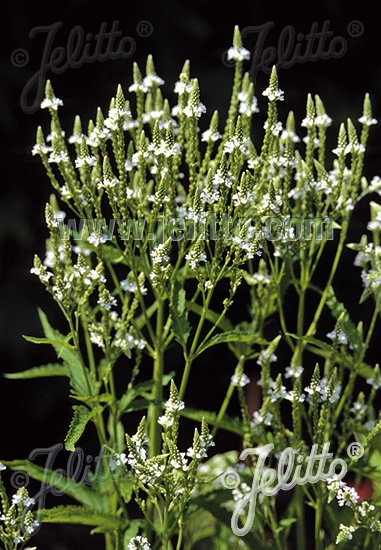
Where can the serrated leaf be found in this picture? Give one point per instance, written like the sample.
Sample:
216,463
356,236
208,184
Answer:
68,486
80,515
231,336
50,369
131,532
233,425
141,389
213,503
81,417
179,315
81,380
50,341
211,316
339,311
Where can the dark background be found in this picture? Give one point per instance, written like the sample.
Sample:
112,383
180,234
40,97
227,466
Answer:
36,413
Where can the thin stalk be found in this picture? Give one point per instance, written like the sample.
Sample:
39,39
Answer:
189,358
353,374
324,295
223,409
318,522
158,371
301,543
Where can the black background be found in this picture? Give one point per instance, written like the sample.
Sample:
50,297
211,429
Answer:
36,413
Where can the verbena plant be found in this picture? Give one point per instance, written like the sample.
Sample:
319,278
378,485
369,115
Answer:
199,213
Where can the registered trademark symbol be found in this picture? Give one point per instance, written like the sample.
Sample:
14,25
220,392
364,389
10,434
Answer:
355,450
355,28
144,28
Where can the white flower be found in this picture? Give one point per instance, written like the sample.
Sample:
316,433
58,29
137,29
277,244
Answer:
292,396
345,532
151,80
294,372
2,467
57,157
323,121
128,285
120,459
338,336
347,496
316,141
42,273
308,122
106,301
259,418
209,137
375,381
247,107
96,238
106,183
180,463
375,184
195,257
166,421
274,95
53,103
266,357
85,161
139,543
277,393
16,499
241,381
194,109
164,149
287,134
358,410
234,143
136,87
235,54
174,406
158,255
182,88
192,453
41,149
367,121
276,129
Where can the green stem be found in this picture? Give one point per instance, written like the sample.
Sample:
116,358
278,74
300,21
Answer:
300,524
189,357
318,523
158,371
223,409
352,376
180,536
324,295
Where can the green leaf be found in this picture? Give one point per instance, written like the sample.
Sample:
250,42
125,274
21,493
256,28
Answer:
142,389
211,316
81,417
231,336
213,502
141,320
338,311
80,515
81,380
78,491
50,341
126,487
179,315
233,425
50,369
131,532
